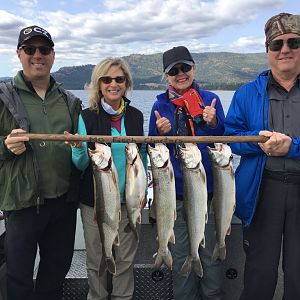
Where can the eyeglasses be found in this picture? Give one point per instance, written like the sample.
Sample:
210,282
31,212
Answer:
175,70
30,50
276,45
108,79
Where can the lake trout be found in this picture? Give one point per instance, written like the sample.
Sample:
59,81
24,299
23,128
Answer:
223,202
195,204
107,204
135,187
164,202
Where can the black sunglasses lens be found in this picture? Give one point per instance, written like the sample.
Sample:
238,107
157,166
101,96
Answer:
45,50
276,45
175,70
294,43
30,50
108,79
120,79
186,68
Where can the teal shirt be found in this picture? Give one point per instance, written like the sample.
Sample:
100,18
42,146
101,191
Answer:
81,158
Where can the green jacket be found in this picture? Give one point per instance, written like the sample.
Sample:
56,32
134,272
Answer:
45,169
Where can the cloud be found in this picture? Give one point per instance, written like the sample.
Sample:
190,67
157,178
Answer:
248,42
118,28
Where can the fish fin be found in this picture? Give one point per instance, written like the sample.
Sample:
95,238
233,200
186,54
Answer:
206,218
152,213
139,219
228,230
175,214
172,238
117,240
111,265
202,244
219,253
186,267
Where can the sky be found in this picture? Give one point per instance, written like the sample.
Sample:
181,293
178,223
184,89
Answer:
85,32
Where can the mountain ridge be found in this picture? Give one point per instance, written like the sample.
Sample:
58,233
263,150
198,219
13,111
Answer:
214,70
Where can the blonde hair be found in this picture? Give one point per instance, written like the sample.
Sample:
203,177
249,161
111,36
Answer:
101,70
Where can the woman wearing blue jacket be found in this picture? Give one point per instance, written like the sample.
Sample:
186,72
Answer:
268,177
203,116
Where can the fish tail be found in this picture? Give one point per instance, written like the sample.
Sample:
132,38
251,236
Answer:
219,253
197,267
166,259
190,263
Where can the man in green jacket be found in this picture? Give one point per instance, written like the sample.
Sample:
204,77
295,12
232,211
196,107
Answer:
37,186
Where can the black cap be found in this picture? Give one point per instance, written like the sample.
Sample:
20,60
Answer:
175,56
31,31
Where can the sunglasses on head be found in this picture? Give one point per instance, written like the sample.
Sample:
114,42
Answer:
30,50
276,45
108,79
183,68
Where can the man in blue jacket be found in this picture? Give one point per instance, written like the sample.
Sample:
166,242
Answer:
268,177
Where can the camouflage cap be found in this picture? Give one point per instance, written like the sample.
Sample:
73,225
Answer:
281,24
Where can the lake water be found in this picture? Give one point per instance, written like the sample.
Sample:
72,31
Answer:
144,99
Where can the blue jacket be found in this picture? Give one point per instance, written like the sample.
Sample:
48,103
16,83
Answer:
167,110
248,115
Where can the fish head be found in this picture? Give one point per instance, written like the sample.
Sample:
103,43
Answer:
190,155
159,155
221,154
101,156
131,151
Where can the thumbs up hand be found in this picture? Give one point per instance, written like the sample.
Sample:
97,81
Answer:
163,125
209,114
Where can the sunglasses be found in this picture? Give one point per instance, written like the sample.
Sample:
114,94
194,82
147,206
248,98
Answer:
108,79
30,50
175,70
276,45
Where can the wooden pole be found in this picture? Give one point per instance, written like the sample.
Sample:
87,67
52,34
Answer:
144,139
